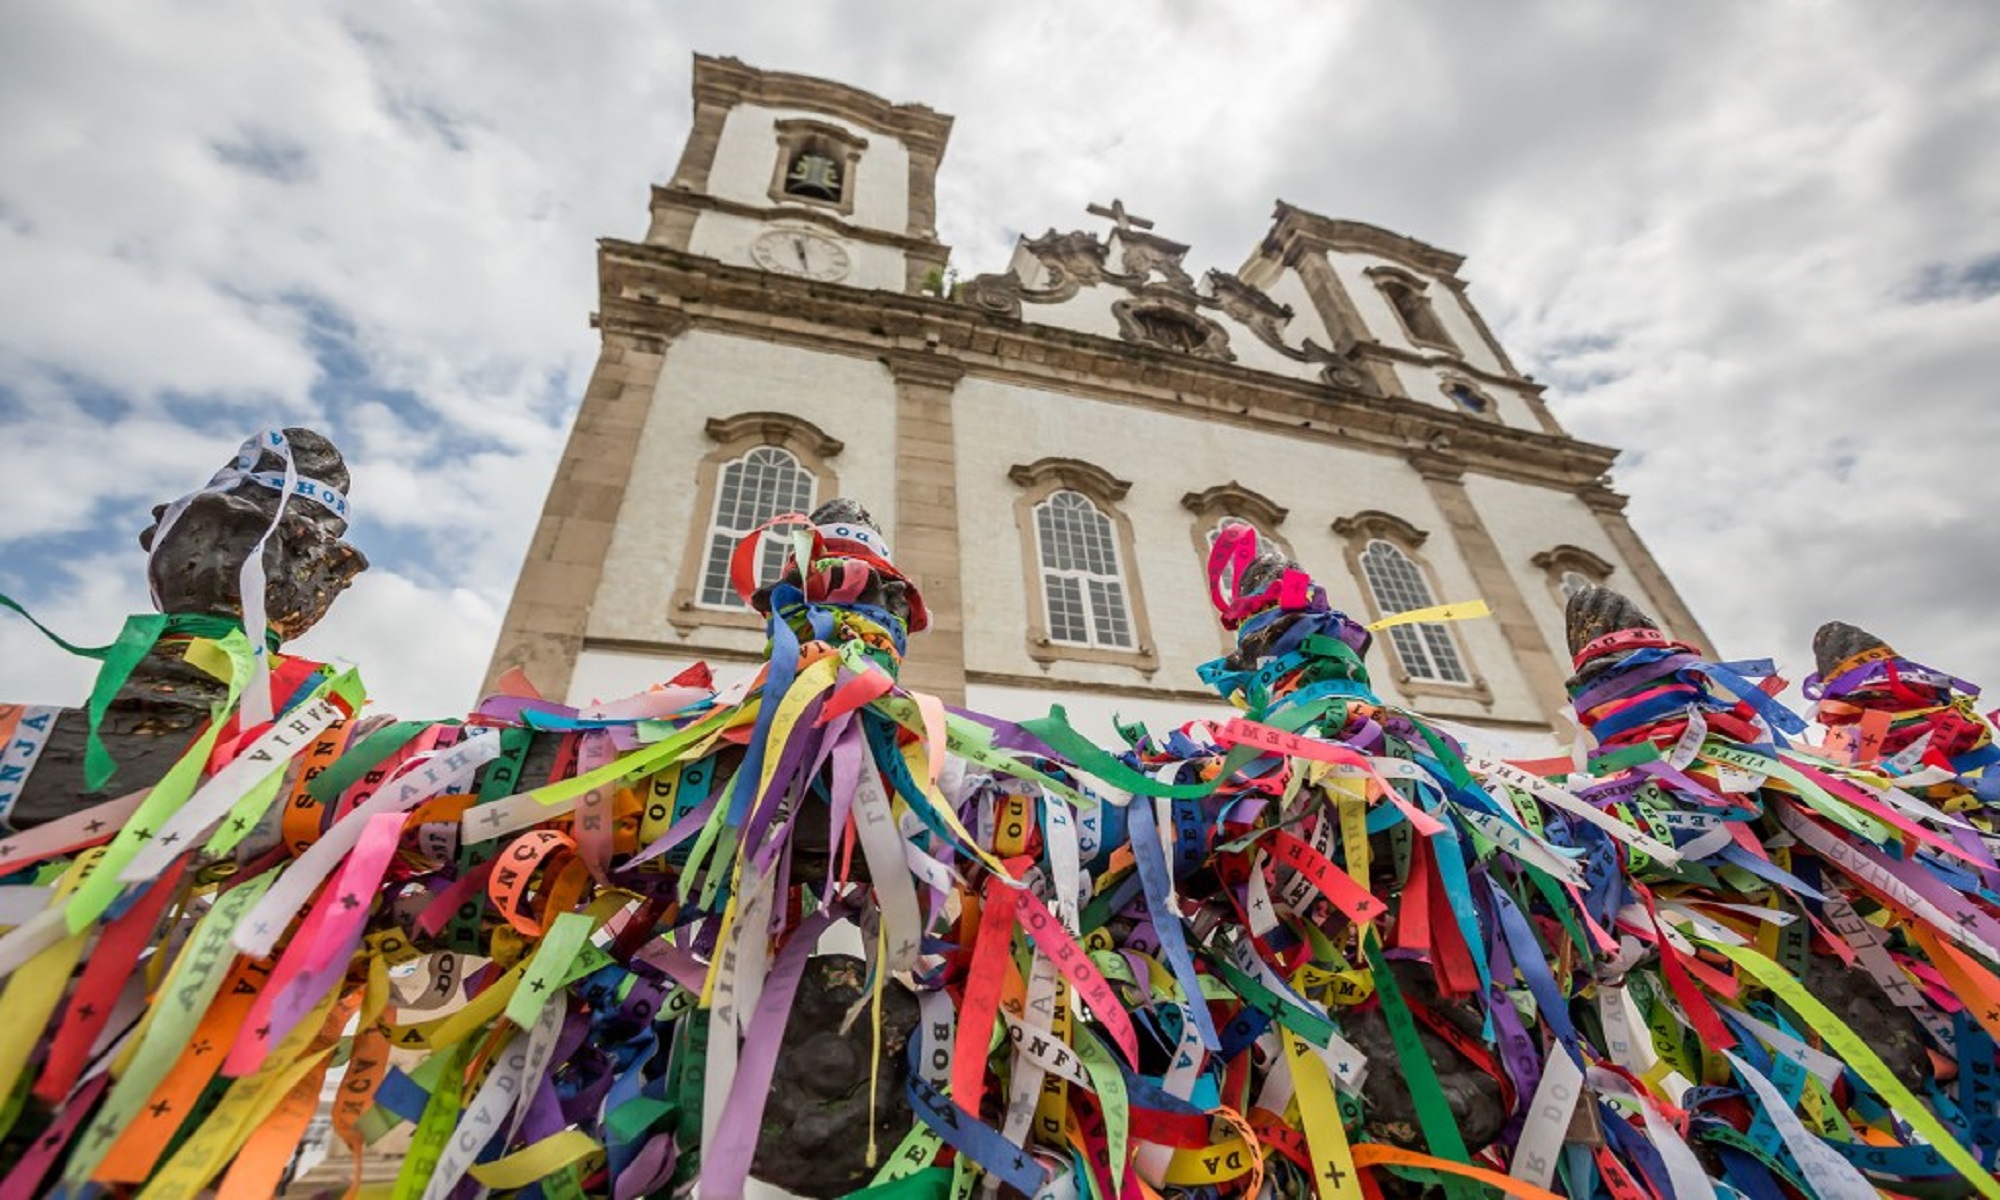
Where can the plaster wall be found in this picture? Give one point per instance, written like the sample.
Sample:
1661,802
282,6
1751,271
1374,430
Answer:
1425,383
1165,456
1288,289
1525,520
707,374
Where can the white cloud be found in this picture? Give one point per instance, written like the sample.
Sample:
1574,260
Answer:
1710,228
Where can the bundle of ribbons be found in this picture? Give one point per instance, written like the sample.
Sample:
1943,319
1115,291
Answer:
1317,948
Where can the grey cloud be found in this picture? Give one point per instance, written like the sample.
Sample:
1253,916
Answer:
1973,280
264,154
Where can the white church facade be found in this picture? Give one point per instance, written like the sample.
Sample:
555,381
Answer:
1049,449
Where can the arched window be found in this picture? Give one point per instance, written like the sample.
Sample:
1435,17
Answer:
754,488
1083,599
1082,583
763,464
1426,649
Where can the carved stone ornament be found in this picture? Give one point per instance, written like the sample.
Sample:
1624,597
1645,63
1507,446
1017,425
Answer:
1150,268
1170,324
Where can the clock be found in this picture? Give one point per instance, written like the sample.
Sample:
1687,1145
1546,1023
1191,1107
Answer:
798,252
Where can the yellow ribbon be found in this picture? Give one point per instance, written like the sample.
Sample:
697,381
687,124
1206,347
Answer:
1458,610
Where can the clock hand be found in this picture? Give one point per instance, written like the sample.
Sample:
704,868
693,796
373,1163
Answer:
799,248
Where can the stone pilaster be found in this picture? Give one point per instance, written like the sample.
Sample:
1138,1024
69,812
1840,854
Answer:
1666,602
926,535
704,139
544,627
1538,661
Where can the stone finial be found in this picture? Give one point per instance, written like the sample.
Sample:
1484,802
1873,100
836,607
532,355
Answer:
195,563
1837,642
842,510
1594,611
1264,570
867,575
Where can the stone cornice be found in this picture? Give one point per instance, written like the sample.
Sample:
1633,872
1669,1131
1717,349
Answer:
1292,223
839,133
1601,499
1572,558
1450,362
925,369
643,287
1071,473
1440,465
1234,498
727,81
774,427
1373,522
668,196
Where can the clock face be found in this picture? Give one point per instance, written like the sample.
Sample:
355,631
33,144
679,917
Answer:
797,252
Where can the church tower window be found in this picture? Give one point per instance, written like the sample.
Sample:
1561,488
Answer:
1425,649
814,173
815,164
762,484
1082,583
1406,296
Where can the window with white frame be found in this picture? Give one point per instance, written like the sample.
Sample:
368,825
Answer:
1081,577
762,484
1425,648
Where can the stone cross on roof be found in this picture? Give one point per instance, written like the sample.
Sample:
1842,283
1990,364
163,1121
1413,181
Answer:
1125,221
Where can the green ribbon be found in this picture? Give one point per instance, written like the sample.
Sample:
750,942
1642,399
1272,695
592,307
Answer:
931,1183
136,640
1054,730
434,1128
371,752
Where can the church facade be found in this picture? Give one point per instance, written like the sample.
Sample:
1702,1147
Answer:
1048,449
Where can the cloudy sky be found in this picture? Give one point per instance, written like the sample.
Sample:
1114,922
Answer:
1756,246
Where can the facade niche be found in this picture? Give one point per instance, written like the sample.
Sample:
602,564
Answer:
1412,306
815,164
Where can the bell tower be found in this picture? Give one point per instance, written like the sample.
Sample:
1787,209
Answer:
806,177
